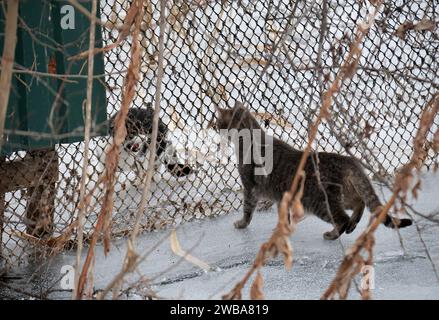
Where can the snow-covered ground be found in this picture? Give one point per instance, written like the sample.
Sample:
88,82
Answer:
289,91
400,272
206,55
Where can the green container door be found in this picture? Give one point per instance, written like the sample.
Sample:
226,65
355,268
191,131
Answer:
40,105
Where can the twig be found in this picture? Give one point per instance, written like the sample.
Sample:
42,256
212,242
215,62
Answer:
77,132
123,33
353,261
113,154
290,208
7,62
119,277
82,203
18,290
64,76
427,252
153,145
131,256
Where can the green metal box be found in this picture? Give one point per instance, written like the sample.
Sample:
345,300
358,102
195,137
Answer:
43,109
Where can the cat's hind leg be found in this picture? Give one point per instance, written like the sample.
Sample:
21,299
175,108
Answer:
337,217
356,216
340,224
250,202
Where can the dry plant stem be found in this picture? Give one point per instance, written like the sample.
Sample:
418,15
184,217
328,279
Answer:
119,277
278,44
291,200
353,253
323,28
346,71
124,31
427,251
131,256
112,157
278,241
153,146
7,61
82,203
64,76
353,261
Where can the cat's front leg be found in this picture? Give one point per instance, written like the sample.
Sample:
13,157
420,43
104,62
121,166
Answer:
250,202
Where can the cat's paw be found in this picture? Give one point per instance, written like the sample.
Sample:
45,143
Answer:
241,224
331,235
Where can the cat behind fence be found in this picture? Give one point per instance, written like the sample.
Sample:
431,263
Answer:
343,183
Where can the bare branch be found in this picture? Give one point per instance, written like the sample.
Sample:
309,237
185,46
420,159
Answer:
131,256
84,177
7,61
112,156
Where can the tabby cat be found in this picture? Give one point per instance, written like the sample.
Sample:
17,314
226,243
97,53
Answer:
345,184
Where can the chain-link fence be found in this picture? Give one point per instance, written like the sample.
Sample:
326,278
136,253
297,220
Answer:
278,56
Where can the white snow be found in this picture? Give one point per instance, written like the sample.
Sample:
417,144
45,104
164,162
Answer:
291,91
400,272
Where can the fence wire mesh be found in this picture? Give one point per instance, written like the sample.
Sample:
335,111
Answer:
278,56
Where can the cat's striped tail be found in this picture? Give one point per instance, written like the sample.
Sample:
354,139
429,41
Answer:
365,190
